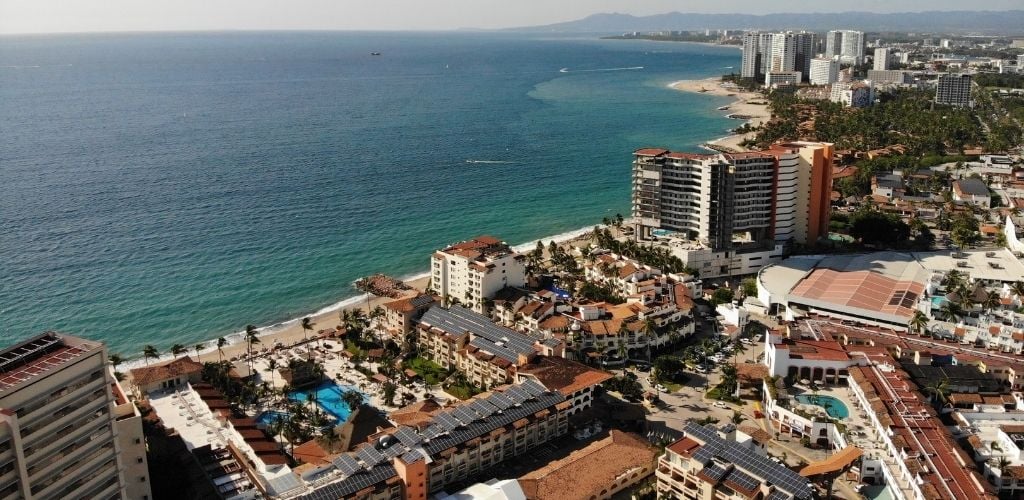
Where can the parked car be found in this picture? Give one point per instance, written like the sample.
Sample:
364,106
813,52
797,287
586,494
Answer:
661,388
719,404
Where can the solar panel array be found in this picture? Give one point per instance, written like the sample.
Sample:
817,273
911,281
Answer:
449,429
743,480
352,484
370,456
754,465
503,342
346,464
714,472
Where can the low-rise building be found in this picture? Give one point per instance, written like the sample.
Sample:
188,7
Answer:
773,79
166,375
972,191
858,94
400,315
599,471
486,353
704,465
575,381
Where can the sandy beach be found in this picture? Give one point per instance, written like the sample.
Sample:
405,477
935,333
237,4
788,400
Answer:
290,332
741,106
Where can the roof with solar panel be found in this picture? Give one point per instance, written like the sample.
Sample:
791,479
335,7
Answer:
371,464
732,463
504,343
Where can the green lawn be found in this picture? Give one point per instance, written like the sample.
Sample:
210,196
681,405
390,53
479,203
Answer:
431,372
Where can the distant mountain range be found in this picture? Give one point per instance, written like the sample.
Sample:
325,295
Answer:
1002,22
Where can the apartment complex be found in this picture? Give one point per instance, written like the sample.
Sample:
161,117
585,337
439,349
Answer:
66,428
784,52
486,353
891,76
859,94
471,271
705,465
953,89
824,70
731,200
453,446
848,45
882,59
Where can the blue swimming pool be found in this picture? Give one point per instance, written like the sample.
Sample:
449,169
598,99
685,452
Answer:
329,397
937,301
834,407
268,417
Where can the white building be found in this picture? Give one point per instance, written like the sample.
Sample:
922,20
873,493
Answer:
63,431
847,44
881,59
750,64
472,271
783,56
853,94
824,70
774,79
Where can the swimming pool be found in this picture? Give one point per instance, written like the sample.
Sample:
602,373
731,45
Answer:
937,301
268,417
329,397
834,407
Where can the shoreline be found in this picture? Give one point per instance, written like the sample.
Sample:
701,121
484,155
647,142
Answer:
290,332
755,114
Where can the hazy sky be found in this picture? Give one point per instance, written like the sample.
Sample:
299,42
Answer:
46,16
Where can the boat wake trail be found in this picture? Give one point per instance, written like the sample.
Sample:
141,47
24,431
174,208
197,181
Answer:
498,162
631,68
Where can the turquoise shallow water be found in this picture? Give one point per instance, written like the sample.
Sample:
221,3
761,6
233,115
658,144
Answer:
166,188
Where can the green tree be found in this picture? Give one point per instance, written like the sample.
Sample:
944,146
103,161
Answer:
352,398
221,342
150,352
918,322
722,295
115,359
749,286
177,350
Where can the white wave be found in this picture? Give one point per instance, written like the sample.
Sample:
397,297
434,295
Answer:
14,66
489,161
631,68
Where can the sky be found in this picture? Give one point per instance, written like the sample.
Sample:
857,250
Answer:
56,16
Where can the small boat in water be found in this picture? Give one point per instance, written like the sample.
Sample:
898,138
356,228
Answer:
374,53
723,108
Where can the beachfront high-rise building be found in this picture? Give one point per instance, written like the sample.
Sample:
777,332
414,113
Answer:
806,49
711,198
733,200
953,89
66,428
824,70
777,52
783,56
847,44
881,59
472,271
750,63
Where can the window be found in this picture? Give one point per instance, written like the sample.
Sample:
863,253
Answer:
138,460
142,479
138,441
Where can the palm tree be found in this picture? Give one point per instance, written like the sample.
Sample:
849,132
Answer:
953,279
177,350
199,347
951,311
251,337
1018,289
991,301
272,367
150,352
221,342
737,417
115,359
377,315
939,390
353,399
307,324
918,322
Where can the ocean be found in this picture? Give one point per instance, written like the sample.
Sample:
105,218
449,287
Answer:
174,187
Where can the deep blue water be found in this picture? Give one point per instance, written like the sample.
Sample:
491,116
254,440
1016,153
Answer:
164,188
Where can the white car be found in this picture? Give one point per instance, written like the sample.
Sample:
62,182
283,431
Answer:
661,388
719,404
